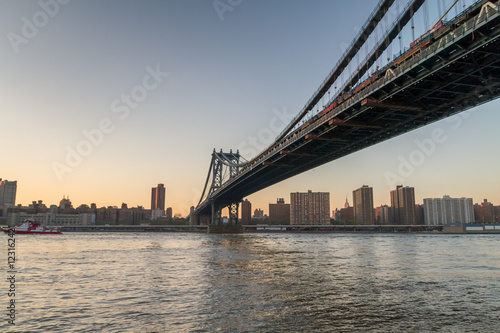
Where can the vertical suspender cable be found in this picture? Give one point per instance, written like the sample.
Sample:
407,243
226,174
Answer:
426,17
399,30
357,56
412,25
388,45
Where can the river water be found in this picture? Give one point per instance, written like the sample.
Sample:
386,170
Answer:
185,282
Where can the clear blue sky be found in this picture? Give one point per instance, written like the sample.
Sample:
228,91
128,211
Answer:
166,82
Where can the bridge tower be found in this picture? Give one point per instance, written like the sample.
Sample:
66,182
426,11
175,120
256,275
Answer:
223,167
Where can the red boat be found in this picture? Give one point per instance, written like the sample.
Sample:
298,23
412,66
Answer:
31,227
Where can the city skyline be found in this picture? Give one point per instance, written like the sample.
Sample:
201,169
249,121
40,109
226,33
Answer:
194,83
390,204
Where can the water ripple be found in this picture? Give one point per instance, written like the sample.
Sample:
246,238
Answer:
257,283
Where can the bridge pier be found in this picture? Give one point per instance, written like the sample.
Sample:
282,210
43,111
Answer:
196,219
216,214
193,218
217,225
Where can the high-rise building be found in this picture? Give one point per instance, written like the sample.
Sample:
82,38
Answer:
419,214
158,197
383,215
403,205
246,211
310,208
280,211
448,210
169,212
7,195
363,205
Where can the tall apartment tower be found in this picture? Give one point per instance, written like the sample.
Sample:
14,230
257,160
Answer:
158,197
310,208
246,211
363,205
7,195
403,205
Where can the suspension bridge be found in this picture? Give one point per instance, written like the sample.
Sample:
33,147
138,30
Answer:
452,67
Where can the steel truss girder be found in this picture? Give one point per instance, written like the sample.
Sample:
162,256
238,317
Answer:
220,161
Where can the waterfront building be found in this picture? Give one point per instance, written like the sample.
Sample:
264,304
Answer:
310,208
131,216
126,216
107,215
83,208
52,218
65,205
156,213
419,214
445,210
158,198
336,215
7,195
280,211
246,211
258,213
383,215
363,205
346,214
403,205
38,207
169,212
485,212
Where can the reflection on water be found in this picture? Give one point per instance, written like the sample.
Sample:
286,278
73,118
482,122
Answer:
256,283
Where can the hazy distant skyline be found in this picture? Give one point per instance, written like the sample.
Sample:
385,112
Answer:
146,90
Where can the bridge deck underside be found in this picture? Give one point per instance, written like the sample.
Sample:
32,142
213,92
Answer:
461,76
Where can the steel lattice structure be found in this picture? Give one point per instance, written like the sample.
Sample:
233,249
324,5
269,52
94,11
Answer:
459,70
